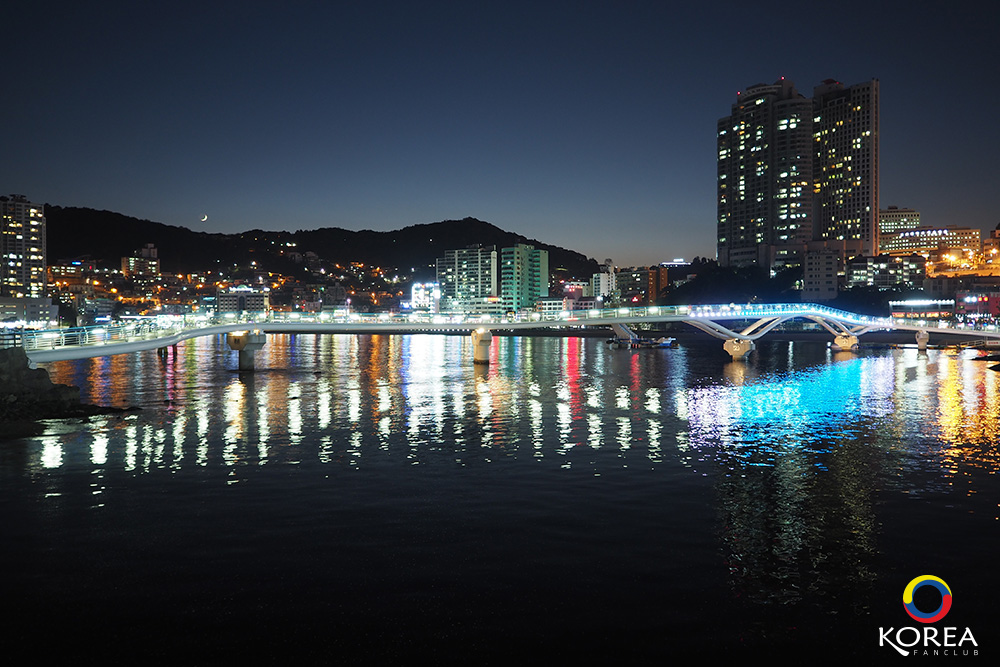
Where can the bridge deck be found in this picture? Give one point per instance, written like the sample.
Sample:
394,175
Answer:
84,342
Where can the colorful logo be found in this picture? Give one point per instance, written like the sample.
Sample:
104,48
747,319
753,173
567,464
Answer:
937,614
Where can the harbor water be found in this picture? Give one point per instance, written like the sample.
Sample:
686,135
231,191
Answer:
363,498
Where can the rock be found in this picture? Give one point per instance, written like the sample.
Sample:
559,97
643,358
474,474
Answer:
28,394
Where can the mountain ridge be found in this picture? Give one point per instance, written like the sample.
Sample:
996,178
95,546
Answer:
108,236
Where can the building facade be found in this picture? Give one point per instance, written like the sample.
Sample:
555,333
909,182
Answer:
480,280
821,275
604,285
22,248
524,277
144,262
886,272
893,220
468,279
991,246
242,298
27,311
934,242
792,170
845,166
764,175
425,296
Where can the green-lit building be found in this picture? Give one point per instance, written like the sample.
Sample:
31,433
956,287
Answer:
524,277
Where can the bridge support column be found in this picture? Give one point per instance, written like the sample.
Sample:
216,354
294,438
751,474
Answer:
246,342
845,342
922,339
739,348
481,340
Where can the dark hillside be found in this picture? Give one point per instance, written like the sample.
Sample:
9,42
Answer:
109,236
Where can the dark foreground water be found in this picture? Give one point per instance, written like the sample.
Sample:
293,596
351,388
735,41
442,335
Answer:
372,498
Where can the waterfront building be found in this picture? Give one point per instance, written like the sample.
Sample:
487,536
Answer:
886,271
27,311
242,298
923,309
821,275
307,298
92,310
642,285
603,285
467,278
947,285
764,177
633,284
335,295
22,248
479,280
893,220
524,277
846,165
576,289
935,242
425,296
793,170
554,305
977,306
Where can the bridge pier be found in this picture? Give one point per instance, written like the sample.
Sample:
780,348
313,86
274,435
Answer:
481,340
922,339
246,342
845,342
739,348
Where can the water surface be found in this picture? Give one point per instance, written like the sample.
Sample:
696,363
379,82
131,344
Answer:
379,497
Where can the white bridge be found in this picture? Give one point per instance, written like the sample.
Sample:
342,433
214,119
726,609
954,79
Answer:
752,321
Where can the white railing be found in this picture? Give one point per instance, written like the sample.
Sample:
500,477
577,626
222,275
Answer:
167,327
96,335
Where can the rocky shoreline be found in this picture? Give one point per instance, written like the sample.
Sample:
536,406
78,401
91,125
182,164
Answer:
28,395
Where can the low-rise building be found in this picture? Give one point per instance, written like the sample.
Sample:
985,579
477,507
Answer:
143,263
26,311
242,298
886,272
935,243
977,306
821,275
923,309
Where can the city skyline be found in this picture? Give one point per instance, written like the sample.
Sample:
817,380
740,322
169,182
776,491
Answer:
586,125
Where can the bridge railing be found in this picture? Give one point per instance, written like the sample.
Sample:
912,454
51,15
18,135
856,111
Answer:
163,327
95,335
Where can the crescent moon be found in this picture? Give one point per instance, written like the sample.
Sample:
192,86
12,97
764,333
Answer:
204,218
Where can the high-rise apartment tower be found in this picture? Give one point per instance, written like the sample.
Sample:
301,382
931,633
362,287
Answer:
845,169
22,248
796,173
524,276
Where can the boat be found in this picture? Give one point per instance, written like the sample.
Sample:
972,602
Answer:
642,343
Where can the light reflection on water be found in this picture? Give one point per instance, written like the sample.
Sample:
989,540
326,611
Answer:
794,448
375,398
365,399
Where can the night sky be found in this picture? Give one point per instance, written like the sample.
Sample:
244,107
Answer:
589,125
